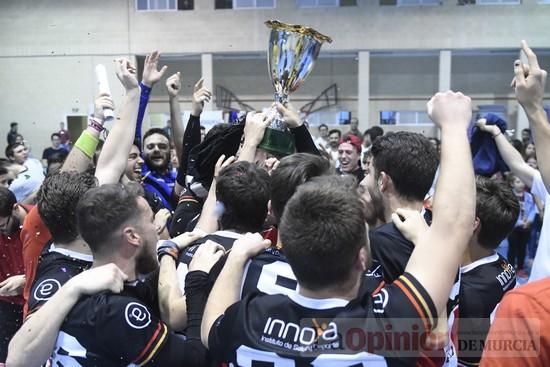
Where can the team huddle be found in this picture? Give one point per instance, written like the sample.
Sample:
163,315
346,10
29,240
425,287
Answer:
242,257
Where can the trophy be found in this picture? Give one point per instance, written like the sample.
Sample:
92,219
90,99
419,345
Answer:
292,52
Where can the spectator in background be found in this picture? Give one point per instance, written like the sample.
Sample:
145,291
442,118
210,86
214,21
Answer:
529,151
518,145
55,162
354,128
517,241
12,134
64,135
29,175
334,137
526,136
322,141
349,153
368,138
55,148
203,133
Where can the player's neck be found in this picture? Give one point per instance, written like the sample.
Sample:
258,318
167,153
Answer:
396,202
474,252
78,245
127,266
343,291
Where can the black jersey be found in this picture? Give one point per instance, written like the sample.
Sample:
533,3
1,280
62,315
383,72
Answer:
125,329
483,284
293,330
55,268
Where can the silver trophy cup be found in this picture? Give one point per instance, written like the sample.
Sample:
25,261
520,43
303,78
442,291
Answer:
292,52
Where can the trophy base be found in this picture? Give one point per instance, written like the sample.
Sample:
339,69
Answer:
277,142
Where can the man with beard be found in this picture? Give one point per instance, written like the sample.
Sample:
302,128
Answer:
334,136
349,155
11,268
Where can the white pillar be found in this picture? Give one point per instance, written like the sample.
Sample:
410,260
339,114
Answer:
522,121
207,74
363,88
445,58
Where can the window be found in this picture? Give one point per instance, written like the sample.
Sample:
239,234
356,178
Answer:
244,4
324,3
411,2
489,2
404,118
164,5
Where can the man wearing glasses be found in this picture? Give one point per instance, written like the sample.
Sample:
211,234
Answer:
12,279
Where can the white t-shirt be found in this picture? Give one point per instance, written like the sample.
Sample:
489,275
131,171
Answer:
541,263
29,180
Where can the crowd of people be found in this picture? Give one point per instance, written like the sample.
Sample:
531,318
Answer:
200,248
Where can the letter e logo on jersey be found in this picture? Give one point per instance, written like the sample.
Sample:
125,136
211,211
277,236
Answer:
46,289
137,316
380,301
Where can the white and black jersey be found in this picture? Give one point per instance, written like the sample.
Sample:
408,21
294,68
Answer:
384,329
125,329
55,268
483,284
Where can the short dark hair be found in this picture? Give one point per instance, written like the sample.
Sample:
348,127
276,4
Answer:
293,170
202,128
374,132
155,130
102,211
322,230
13,124
10,148
57,200
409,159
243,188
323,125
216,129
55,135
518,145
7,201
333,131
497,209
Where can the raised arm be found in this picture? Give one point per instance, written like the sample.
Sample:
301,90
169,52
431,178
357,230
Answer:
302,138
114,155
254,129
436,258
509,154
79,158
227,288
34,342
529,83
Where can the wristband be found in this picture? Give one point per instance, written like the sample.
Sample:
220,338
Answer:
167,247
87,143
95,124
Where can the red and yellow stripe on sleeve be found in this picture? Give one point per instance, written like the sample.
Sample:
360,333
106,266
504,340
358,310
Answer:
419,299
154,344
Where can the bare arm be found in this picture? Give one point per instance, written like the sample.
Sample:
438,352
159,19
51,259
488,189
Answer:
114,155
173,86
509,154
529,85
226,290
34,342
454,202
254,130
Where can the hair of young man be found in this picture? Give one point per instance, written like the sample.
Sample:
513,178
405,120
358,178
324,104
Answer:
497,209
11,148
13,124
322,126
335,131
55,135
57,200
244,189
216,129
409,159
322,230
374,132
101,212
294,170
155,130
7,201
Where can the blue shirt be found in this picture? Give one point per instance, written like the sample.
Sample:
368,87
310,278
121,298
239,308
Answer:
527,209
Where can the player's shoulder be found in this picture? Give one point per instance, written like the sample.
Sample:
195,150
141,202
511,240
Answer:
489,272
388,235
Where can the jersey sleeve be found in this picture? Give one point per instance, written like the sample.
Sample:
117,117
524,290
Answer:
221,333
406,298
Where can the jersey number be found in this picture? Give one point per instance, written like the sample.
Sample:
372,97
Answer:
277,278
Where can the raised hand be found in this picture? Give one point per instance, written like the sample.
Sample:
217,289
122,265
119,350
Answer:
450,110
126,73
208,254
161,217
200,96
222,163
173,85
529,80
12,286
491,129
249,245
254,128
410,223
150,73
103,101
289,114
